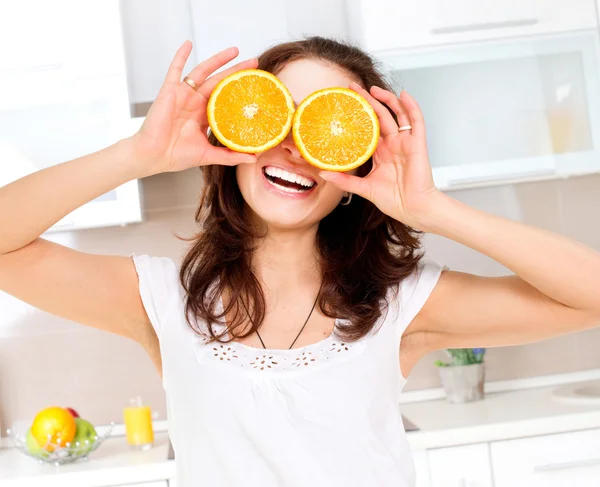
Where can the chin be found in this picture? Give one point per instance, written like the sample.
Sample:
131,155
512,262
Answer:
283,213
282,220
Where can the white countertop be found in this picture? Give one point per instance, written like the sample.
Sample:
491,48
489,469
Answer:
113,463
500,416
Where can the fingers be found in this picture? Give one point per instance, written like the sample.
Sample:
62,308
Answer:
227,157
347,182
178,63
208,67
387,124
206,88
414,114
392,101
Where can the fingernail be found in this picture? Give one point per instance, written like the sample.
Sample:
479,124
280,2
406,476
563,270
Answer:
324,176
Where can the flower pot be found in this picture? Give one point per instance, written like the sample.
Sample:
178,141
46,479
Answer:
463,383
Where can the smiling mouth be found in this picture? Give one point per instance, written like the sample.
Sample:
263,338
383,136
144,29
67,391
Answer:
287,181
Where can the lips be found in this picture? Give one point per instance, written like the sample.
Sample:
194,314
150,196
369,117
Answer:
288,182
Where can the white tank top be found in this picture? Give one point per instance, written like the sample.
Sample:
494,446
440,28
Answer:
325,414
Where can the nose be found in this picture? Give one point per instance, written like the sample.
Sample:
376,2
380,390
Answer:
289,146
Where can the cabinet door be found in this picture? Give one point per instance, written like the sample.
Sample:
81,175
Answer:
421,461
395,24
469,15
544,96
252,26
461,466
562,460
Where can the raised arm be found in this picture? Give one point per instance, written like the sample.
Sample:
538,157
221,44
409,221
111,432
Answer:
102,290
556,286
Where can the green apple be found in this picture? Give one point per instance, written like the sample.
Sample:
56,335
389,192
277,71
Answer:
85,431
33,446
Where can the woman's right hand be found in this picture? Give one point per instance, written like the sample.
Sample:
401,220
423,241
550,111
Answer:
173,136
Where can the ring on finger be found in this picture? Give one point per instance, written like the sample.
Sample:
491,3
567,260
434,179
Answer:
191,83
404,127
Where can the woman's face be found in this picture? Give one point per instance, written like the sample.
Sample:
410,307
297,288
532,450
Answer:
274,200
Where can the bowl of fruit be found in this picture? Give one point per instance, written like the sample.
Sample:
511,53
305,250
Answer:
57,436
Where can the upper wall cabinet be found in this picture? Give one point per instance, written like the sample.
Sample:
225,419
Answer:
255,25
510,91
63,95
393,24
251,26
508,110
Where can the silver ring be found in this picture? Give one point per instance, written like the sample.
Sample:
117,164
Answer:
404,127
191,83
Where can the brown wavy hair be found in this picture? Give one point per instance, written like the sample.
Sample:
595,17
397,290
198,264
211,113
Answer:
362,251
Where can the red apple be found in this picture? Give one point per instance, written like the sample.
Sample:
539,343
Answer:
74,413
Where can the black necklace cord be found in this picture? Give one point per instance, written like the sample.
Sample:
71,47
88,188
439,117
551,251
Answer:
301,329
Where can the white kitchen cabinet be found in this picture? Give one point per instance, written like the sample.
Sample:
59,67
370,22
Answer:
256,25
393,24
153,30
561,460
421,461
461,466
508,110
251,26
63,95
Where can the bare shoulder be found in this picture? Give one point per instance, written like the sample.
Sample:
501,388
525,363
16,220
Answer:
99,291
465,311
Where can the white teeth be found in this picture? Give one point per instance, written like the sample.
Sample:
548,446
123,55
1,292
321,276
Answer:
277,172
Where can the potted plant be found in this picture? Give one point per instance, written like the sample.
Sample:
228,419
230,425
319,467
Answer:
463,377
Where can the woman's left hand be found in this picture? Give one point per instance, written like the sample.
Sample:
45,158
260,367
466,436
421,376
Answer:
400,183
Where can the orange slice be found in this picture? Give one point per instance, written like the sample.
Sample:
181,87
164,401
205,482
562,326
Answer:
336,129
250,111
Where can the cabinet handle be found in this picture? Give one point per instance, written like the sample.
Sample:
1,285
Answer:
453,29
504,179
563,466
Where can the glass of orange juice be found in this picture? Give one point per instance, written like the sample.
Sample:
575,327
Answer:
138,424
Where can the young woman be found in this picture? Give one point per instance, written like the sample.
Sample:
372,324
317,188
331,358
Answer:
285,337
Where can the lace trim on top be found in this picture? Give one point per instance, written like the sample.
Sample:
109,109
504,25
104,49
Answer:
249,358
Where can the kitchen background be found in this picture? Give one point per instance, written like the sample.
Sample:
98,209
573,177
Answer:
46,360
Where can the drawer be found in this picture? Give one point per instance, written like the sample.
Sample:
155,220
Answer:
565,460
460,466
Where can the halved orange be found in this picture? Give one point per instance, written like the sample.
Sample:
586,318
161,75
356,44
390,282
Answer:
336,129
250,111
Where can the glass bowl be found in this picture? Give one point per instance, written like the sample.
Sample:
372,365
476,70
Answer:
61,454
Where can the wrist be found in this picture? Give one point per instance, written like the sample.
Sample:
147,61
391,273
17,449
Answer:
138,164
430,216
